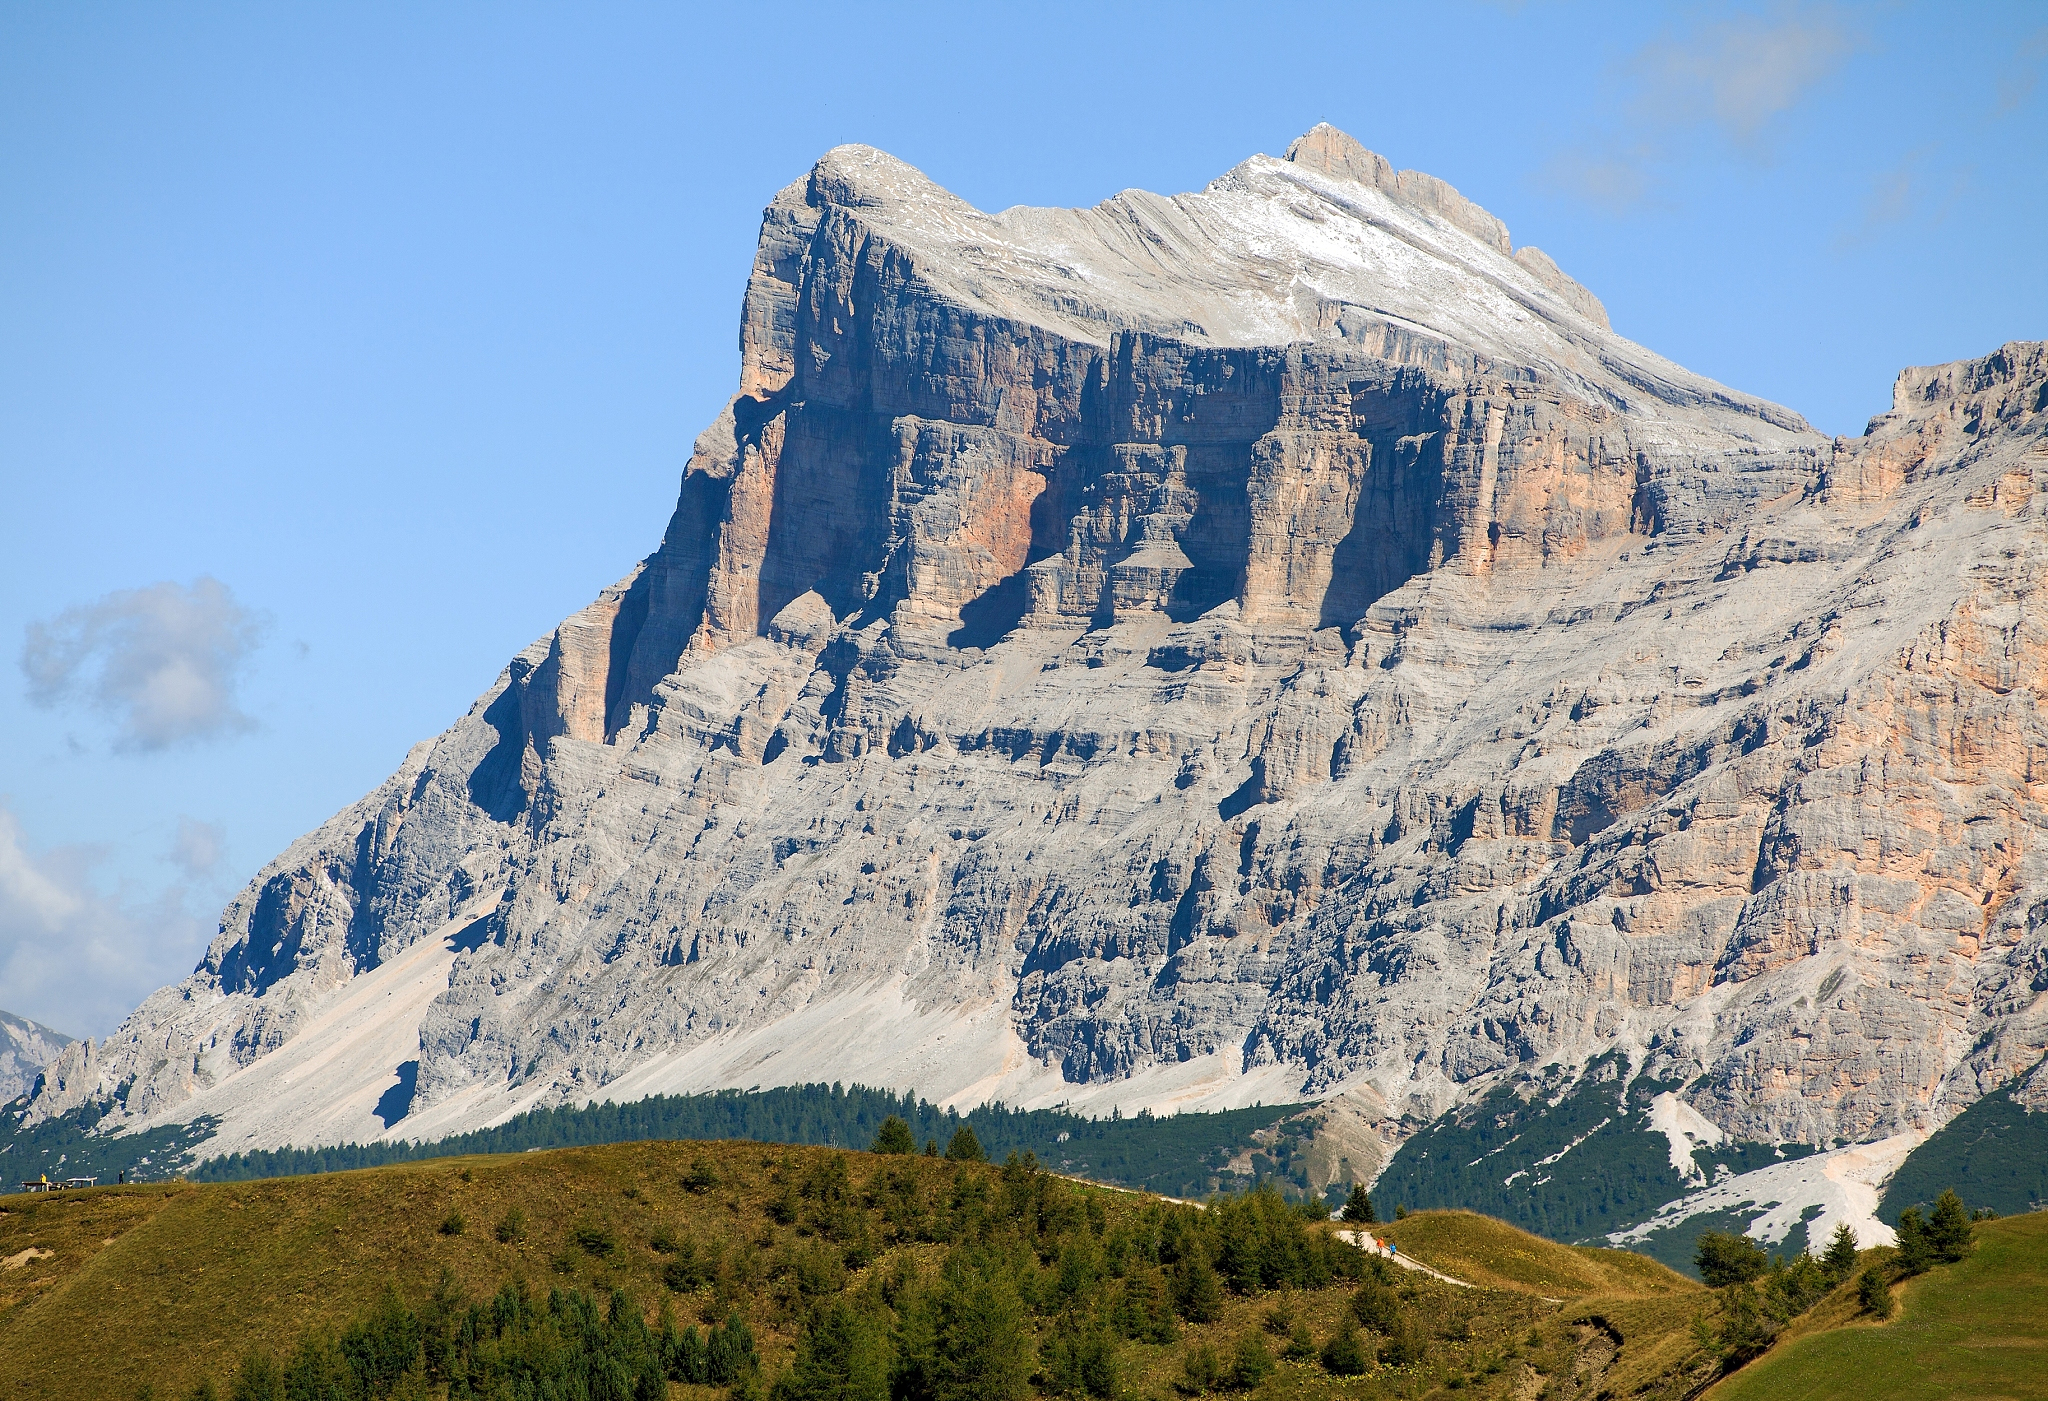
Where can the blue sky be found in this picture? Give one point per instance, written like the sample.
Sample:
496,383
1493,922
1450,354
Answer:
345,349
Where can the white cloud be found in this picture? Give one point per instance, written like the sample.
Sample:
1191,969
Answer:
1741,73
1731,80
198,847
1917,188
162,661
1616,181
74,957
2021,77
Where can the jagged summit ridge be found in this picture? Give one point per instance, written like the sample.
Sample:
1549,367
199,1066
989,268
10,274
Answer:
24,1046
1248,644
1336,154
1326,243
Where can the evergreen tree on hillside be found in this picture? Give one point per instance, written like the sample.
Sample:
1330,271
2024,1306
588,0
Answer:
1915,1253
1948,1231
894,1137
983,1352
729,1352
1377,1307
965,1147
1358,1207
1197,1295
1079,1363
844,1356
1252,1365
1724,1258
1840,1259
1343,1355
258,1380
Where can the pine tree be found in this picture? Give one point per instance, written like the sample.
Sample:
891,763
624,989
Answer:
1199,1371
1915,1253
1197,1296
1948,1231
1725,1258
1840,1261
1745,1331
1377,1307
729,1354
1358,1207
689,1361
965,1147
258,1380
1406,1345
1873,1294
1253,1363
1080,1363
1343,1355
982,1352
894,1137
843,1356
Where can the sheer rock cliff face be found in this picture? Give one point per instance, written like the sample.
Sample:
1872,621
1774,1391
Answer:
1275,641
24,1046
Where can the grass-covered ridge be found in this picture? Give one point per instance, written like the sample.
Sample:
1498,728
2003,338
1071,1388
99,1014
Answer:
823,1259
1179,1155
1489,1252
1976,1328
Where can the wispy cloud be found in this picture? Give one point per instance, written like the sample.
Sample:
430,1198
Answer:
1914,189
1735,80
76,957
198,847
1741,73
2018,82
1616,180
163,662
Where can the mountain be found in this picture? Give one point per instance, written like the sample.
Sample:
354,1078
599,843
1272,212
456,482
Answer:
1270,643
25,1047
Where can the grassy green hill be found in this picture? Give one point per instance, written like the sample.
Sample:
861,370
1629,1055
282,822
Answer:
1491,1253
1976,1329
905,1269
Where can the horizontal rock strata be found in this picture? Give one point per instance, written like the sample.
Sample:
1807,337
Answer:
1276,641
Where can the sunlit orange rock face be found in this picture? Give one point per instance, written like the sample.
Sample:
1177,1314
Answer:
1273,641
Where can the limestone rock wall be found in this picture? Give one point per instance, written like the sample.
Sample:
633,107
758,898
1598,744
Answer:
1271,641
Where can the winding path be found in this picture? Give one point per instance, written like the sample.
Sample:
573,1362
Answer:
1366,1242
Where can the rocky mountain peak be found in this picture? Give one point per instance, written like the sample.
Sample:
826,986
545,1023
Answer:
25,1047
1340,155
1256,643
1331,152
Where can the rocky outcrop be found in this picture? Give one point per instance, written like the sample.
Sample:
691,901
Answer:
25,1047
1269,642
